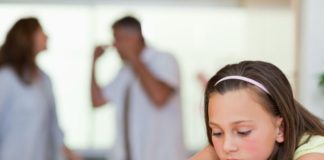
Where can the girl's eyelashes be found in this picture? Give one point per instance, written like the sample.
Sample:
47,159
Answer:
240,133
244,133
216,134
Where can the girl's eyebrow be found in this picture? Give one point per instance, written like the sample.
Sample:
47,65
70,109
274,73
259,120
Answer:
232,123
241,121
213,124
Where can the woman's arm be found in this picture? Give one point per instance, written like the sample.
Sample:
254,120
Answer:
208,153
70,155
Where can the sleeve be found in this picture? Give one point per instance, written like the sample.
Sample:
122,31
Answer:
57,136
166,69
112,91
314,145
3,100
3,90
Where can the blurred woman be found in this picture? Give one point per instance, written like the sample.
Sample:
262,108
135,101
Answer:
29,128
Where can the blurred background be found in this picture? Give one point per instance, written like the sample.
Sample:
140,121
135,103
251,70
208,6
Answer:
203,35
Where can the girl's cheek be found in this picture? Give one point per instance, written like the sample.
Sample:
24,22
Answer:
257,149
251,146
217,145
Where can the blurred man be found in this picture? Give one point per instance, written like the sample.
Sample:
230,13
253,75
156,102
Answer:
146,95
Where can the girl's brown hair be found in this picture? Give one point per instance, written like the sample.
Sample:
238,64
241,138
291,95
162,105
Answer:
280,101
18,49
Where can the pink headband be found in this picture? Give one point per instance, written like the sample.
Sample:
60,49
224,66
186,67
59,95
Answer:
249,80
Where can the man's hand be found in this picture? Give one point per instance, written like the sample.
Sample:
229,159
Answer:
99,50
129,51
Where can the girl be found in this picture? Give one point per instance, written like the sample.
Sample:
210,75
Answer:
28,123
251,114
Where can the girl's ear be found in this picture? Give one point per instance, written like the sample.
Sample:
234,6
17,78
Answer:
280,130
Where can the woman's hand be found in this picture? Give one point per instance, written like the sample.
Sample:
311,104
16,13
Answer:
71,155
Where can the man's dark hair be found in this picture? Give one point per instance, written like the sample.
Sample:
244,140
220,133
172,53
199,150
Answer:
128,22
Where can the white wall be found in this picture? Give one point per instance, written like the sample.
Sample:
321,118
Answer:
271,37
311,55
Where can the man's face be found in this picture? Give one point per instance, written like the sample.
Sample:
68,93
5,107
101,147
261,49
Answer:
125,40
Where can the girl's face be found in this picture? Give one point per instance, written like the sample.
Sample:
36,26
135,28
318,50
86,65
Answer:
241,128
40,39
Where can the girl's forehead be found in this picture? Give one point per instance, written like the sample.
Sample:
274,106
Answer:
234,98
236,106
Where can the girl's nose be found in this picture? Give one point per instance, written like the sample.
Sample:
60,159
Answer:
229,145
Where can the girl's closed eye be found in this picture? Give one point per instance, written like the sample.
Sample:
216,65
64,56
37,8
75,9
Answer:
217,133
244,132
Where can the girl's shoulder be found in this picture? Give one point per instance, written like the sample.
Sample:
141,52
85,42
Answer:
310,144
